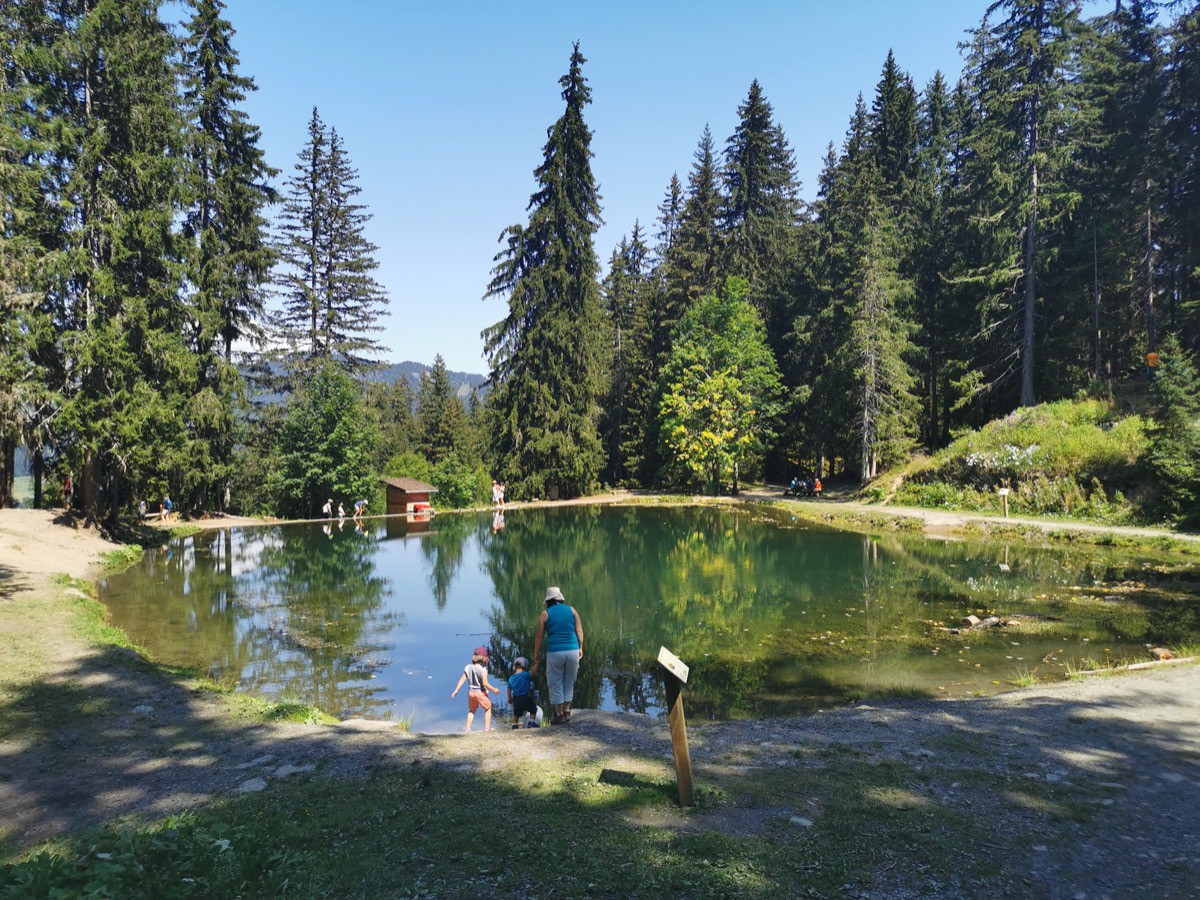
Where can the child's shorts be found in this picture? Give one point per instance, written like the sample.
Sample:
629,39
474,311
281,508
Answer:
478,700
523,703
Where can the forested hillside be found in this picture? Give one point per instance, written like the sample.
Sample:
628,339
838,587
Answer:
1025,230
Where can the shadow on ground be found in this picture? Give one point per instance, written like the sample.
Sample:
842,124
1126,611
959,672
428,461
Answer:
1040,793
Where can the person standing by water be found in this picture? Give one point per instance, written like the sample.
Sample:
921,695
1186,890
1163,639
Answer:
475,676
560,626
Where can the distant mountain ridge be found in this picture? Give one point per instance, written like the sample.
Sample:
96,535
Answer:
460,382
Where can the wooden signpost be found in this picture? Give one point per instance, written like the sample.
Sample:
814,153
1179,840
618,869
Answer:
675,674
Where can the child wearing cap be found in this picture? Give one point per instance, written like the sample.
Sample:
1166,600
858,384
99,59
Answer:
520,692
475,676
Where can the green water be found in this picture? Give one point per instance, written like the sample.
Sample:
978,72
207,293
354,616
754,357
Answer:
773,616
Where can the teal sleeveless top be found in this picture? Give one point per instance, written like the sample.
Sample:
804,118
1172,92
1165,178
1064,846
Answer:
560,628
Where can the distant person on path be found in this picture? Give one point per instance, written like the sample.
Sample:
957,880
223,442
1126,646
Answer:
164,508
141,509
520,693
475,676
495,492
502,495
327,509
341,512
67,490
359,506
817,487
562,630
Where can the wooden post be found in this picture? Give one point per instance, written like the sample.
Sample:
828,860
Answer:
675,674
1004,497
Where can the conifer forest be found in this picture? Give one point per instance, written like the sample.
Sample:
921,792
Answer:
179,317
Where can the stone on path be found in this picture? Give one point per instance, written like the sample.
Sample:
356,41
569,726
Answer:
253,786
143,710
801,821
261,761
288,769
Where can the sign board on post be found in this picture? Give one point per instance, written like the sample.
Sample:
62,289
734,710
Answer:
675,675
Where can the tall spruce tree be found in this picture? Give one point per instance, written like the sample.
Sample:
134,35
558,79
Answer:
627,289
1182,233
115,287
547,354
331,300
879,344
761,207
231,255
1027,100
941,328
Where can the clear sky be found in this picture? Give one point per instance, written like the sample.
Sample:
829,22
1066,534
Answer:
444,109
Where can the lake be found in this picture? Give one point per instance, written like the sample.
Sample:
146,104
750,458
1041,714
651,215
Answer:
773,615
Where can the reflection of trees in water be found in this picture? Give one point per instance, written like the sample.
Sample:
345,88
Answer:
322,643
443,547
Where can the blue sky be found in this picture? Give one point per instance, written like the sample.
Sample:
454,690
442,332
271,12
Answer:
444,110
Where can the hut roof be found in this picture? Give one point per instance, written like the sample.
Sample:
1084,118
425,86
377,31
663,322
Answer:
411,485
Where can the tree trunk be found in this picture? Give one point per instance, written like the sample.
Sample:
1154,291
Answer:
8,462
39,474
1027,393
1151,336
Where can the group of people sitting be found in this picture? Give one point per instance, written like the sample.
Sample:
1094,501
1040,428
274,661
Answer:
804,486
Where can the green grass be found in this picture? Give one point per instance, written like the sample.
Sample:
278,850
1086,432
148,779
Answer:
427,831
122,558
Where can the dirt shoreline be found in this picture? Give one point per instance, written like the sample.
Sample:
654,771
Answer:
96,735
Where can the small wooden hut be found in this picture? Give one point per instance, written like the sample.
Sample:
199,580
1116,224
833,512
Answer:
408,496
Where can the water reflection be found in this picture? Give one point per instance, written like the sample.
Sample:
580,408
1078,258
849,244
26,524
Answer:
772,617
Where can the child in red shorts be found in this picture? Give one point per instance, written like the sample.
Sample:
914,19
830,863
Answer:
475,676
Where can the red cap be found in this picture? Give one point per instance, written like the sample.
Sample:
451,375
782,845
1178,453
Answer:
480,651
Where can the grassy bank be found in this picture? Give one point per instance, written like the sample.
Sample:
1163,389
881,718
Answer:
1082,459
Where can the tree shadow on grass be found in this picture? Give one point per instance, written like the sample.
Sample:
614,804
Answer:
11,582
933,799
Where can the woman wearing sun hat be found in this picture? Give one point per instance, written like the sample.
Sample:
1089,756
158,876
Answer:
562,630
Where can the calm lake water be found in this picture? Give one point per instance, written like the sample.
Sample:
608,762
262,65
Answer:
773,616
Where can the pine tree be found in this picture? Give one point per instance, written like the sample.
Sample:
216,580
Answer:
546,355
691,267
627,289
893,133
231,255
331,300
761,207
941,333
1175,436
441,419
114,288
1181,235
391,406
878,343
1022,148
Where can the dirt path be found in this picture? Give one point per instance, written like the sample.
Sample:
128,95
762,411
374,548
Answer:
1091,788
946,521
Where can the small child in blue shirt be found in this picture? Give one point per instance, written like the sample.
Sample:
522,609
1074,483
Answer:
520,692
